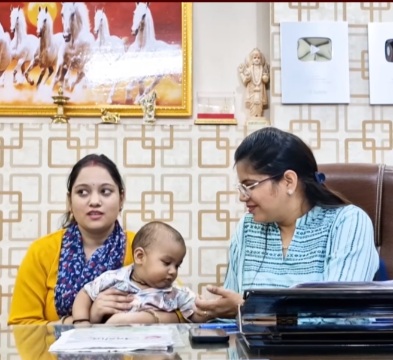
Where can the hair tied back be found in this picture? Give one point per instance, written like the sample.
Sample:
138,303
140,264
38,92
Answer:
319,177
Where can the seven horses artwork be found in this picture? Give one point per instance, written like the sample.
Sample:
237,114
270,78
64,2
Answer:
117,61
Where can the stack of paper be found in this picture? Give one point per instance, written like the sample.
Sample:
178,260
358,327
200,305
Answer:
119,339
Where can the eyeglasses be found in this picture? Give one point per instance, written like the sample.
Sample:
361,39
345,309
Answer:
245,191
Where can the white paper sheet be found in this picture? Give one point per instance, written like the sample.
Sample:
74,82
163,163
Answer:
115,339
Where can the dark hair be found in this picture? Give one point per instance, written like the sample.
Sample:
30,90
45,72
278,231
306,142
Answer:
271,151
149,233
91,160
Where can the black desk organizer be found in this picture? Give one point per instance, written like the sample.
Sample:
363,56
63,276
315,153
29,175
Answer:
344,316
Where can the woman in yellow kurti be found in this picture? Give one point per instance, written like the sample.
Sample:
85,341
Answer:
92,241
33,301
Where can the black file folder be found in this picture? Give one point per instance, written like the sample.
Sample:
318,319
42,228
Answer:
335,315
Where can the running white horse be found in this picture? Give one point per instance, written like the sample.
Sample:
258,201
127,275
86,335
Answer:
50,44
109,48
105,41
143,30
5,53
79,43
24,46
164,59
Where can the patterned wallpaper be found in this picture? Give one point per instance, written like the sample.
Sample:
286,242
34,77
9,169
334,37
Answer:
182,175
357,132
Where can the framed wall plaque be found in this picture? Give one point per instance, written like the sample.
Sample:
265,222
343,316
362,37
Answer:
314,63
380,55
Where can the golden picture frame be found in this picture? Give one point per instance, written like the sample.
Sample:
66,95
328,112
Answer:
102,60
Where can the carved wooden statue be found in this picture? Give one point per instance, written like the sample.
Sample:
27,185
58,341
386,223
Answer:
254,73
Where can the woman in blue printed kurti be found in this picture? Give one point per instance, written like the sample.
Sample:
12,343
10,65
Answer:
296,230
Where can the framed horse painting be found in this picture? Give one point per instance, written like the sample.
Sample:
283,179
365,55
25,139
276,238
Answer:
100,54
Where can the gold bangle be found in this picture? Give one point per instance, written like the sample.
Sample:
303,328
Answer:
179,316
154,314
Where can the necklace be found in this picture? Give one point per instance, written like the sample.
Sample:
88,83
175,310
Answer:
137,281
257,81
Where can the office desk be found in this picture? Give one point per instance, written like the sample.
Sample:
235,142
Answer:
32,343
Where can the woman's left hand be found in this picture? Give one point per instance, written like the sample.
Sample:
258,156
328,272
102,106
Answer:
109,302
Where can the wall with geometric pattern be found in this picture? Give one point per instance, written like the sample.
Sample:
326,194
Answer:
179,172
182,175
357,132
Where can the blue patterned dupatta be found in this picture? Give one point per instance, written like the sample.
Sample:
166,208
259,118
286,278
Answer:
74,271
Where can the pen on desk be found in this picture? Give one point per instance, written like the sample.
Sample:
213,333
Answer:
224,326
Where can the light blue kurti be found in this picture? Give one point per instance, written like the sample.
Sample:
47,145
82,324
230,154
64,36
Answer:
329,244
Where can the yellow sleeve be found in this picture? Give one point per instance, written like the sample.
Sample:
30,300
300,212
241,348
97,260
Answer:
33,292
33,297
128,256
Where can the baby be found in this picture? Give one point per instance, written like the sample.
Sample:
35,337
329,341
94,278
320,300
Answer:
158,251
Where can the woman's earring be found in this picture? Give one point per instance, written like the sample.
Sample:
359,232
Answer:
289,192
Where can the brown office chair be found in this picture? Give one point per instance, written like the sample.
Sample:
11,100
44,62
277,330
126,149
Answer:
369,186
